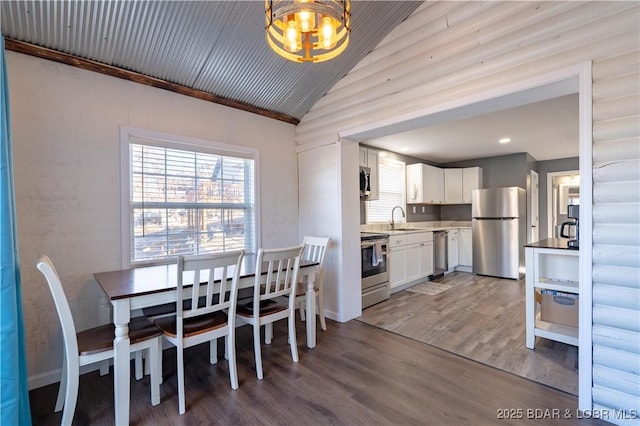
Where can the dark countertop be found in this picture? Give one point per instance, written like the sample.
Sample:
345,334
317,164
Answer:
551,243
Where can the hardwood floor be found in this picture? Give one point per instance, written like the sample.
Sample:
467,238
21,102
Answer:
480,318
357,375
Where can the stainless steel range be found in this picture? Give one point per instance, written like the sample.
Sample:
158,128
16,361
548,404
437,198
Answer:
375,268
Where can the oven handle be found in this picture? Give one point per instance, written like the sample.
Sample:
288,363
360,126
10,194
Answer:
370,244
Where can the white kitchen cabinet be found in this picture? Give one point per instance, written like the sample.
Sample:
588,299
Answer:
425,184
452,249
362,157
410,258
397,260
432,185
414,183
425,257
413,262
453,186
471,179
465,253
397,266
369,158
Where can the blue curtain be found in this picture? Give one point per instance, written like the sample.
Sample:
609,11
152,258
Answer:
14,394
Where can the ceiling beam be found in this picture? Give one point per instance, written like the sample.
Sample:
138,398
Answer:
87,64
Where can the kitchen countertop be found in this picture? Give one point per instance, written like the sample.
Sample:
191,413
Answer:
551,243
417,229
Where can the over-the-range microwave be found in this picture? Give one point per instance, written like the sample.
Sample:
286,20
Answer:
365,182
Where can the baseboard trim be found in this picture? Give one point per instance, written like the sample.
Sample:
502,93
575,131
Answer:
51,377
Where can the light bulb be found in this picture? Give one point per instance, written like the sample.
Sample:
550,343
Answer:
306,21
305,18
293,40
327,33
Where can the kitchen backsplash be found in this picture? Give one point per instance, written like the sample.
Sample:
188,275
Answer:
423,213
454,212
429,213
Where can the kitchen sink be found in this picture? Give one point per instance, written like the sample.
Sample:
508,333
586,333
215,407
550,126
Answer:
405,229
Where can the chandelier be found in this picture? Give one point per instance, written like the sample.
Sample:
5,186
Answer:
308,30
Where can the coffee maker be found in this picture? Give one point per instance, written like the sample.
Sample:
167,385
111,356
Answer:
573,227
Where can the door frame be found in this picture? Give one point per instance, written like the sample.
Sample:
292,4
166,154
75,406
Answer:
550,196
583,72
533,214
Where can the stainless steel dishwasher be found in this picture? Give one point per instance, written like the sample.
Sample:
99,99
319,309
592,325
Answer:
440,254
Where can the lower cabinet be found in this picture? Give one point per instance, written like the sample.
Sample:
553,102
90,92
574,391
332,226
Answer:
410,258
452,249
397,265
465,253
425,257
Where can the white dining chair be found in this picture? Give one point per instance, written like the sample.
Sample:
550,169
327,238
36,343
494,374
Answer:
213,277
94,345
273,297
315,250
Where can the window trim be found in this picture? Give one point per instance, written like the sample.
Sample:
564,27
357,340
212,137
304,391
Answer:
403,204
180,142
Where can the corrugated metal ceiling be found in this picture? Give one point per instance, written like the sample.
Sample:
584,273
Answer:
214,46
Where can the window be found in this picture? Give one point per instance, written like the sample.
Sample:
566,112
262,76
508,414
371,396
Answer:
184,198
392,191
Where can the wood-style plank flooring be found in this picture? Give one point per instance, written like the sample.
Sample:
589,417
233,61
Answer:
481,318
357,375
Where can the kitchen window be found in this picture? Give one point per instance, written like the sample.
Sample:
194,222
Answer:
391,184
185,197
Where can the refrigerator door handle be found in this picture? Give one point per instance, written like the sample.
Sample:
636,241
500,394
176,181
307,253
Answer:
495,218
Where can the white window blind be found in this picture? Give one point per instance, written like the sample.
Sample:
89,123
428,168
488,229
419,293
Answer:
392,192
188,200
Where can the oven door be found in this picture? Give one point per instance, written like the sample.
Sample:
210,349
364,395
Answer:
373,274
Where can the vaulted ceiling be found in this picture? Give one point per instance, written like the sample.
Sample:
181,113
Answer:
214,50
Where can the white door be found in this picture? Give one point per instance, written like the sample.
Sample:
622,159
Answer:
534,213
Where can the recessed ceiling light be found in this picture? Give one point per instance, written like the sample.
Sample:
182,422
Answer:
404,149
505,140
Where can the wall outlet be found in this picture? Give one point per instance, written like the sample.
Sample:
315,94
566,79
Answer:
422,209
414,209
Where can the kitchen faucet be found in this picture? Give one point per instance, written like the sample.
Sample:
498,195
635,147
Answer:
393,224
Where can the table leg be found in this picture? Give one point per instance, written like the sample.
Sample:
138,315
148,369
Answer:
311,311
121,367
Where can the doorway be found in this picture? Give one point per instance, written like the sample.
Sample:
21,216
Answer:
563,189
459,107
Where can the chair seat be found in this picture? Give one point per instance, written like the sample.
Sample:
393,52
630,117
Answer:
100,339
192,326
267,307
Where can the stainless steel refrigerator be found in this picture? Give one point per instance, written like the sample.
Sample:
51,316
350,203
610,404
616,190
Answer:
499,231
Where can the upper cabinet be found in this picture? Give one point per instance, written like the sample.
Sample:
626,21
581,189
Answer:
453,186
471,179
432,185
369,158
425,184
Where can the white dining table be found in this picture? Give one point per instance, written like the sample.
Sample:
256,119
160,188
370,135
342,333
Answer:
136,288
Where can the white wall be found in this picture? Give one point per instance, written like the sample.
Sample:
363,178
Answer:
328,191
449,51
65,124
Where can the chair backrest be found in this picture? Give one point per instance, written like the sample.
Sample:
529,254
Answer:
281,266
219,273
62,306
315,249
